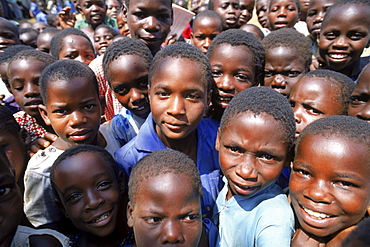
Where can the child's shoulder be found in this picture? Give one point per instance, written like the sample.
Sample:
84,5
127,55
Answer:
43,160
23,233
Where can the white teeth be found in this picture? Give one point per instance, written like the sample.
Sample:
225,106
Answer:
224,99
103,217
338,56
316,215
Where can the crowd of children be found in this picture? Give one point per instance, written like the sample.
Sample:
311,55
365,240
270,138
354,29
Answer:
116,133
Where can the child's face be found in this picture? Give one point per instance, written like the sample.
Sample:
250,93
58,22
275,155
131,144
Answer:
283,69
122,25
150,21
39,26
315,15
283,13
128,77
43,42
166,211
330,184
15,151
78,48
29,38
4,75
112,8
7,36
93,10
10,204
312,99
102,39
204,31
229,12
252,153
90,193
178,98
262,7
24,77
360,99
246,11
75,120
233,71
341,43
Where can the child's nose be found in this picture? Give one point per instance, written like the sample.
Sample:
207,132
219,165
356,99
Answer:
176,106
151,23
207,42
225,83
364,114
319,192
246,170
77,118
92,200
279,80
136,94
32,90
282,12
319,17
172,233
341,42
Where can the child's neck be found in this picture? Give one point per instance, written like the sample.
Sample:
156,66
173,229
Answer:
187,145
62,145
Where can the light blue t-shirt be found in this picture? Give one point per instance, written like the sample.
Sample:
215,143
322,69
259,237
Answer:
264,219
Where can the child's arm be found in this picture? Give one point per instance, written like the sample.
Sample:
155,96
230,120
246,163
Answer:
41,143
66,18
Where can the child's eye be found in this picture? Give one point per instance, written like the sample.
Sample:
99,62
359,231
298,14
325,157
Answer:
330,35
191,218
163,16
294,73
268,74
346,184
199,37
291,8
139,15
233,149
193,96
4,191
18,88
162,94
216,73
153,220
60,111
292,104
224,6
267,157
121,90
357,100
356,36
73,197
104,185
312,13
274,9
90,106
314,111
70,56
242,77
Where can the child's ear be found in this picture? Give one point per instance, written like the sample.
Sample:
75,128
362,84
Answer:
124,12
44,114
217,146
130,210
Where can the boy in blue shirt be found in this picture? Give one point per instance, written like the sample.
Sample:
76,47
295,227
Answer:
255,139
178,99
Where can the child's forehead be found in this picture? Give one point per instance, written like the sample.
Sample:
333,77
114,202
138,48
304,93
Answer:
158,4
281,2
360,12
92,1
224,49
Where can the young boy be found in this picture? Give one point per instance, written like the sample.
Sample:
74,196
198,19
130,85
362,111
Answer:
103,37
89,189
12,234
164,207
360,99
342,43
149,21
75,117
246,11
262,7
45,37
126,67
74,44
237,58
24,71
28,36
318,94
255,139
9,34
283,13
178,99
206,26
330,182
288,57
228,10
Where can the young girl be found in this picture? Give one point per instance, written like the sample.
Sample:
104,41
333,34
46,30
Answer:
283,13
89,189
103,37
237,58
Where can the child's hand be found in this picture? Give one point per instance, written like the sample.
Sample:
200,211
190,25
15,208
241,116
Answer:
170,40
41,143
66,18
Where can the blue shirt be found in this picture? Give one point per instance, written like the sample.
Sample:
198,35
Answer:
147,141
264,219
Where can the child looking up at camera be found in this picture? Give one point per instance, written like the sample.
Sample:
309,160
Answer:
330,182
126,67
255,141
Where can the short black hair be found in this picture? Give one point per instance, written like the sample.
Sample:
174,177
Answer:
159,163
56,43
33,55
125,47
183,50
290,38
11,26
111,30
296,2
237,37
8,123
28,30
127,3
208,14
65,69
345,2
82,148
11,51
262,99
344,84
211,5
51,30
346,127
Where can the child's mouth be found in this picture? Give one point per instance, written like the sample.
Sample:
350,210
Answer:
338,56
316,215
101,218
